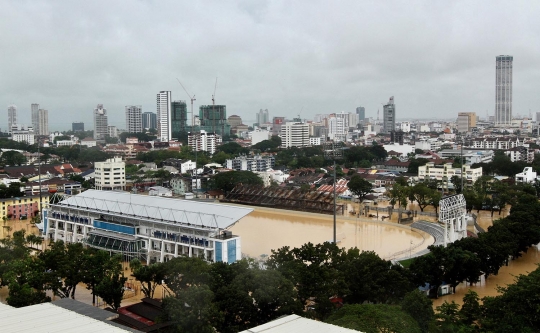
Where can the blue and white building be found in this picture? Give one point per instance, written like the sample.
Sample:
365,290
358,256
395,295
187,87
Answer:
154,229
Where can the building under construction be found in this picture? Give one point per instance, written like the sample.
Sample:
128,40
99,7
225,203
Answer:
284,198
214,119
179,117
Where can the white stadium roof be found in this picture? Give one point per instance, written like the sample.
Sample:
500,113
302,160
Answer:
169,210
297,324
47,317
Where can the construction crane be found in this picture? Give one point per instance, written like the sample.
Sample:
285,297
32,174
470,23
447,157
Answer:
214,112
195,135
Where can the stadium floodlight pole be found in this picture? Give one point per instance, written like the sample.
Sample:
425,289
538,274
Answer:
333,150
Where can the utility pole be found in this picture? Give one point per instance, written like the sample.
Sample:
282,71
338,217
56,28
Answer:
333,150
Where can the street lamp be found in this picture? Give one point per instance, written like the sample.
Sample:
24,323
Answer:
333,150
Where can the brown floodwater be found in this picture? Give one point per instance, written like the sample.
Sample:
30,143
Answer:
266,229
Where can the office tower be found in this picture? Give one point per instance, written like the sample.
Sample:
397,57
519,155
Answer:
389,117
100,123
77,127
338,126
149,120
503,90
163,115
361,112
134,118
262,117
277,123
295,134
43,122
12,116
34,107
214,119
466,121
179,116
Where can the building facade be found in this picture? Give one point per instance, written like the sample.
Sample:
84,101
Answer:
110,175
23,134
389,117
23,207
100,123
34,109
134,118
262,117
152,229
214,119
43,122
203,141
252,163
466,121
77,127
12,117
361,112
503,90
163,115
179,118
444,173
294,134
149,120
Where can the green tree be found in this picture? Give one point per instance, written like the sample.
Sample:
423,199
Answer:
226,181
420,307
422,194
150,276
111,288
12,158
374,318
470,310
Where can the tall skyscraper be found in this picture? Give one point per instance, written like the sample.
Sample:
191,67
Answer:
214,119
12,117
389,117
361,112
503,90
100,123
163,115
262,117
34,107
178,118
43,122
295,134
134,118
149,120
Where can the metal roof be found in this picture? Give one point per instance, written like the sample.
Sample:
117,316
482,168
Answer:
172,210
297,324
47,317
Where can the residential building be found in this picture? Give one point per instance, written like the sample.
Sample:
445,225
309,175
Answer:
389,117
163,115
23,207
469,156
259,135
12,117
100,123
251,163
179,116
466,121
77,126
214,119
88,142
151,229
149,120
43,122
262,117
110,175
34,109
134,118
503,90
295,134
497,143
21,134
338,126
405,127
203,141
444,173
520,153
527,176
183,166
112,131
314,141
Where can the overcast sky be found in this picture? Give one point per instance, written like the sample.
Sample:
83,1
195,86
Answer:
291,57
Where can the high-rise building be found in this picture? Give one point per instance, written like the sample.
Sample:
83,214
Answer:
466,121
294,134
34,107
163,115
179,118
43,122
149,120
77,127
503,90
134,118
262,117
338,126
389,117
361,112
12,116
214,119
100,123
277,123
203,141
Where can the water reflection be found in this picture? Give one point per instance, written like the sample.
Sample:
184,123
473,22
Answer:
267,229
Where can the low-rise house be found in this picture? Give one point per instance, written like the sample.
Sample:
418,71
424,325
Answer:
159,191
528,176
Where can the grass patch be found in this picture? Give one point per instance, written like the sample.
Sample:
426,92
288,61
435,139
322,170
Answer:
407,262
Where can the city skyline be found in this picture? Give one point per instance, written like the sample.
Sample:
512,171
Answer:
435,58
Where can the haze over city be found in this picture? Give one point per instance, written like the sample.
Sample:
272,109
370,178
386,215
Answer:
305,58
